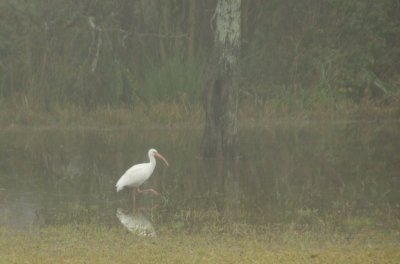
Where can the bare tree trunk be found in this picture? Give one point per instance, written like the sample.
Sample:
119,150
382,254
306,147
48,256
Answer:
221,91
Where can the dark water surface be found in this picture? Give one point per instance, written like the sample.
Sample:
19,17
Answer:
285,173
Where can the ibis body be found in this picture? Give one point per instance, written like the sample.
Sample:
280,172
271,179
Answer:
136,175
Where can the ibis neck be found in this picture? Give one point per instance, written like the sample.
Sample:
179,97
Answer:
152,160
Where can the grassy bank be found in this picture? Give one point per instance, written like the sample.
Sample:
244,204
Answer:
100,244
183,112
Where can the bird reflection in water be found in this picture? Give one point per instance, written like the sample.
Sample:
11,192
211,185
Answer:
136,223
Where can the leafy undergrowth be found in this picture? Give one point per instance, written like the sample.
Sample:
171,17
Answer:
89,243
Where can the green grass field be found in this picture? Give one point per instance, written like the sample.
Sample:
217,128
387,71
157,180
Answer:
93,244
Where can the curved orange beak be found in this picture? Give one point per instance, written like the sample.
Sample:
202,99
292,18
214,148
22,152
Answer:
158,155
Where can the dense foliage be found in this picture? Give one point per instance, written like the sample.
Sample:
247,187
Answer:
93,53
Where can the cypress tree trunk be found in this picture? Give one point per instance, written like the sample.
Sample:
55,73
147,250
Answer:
221,91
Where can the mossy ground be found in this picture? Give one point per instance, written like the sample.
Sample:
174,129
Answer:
90,243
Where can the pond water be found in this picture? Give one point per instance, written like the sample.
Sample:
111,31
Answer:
285,173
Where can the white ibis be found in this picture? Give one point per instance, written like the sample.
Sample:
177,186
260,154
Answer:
138,174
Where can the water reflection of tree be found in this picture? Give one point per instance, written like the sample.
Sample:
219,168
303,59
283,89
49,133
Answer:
222,179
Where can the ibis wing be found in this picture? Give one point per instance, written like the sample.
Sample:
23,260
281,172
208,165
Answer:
134,176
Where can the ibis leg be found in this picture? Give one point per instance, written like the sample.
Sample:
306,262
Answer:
134,189
148,190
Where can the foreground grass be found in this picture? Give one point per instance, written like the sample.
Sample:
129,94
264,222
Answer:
94,244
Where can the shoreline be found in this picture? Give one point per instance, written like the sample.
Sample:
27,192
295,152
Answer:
173,115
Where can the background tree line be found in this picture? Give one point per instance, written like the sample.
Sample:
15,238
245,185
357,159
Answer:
93,53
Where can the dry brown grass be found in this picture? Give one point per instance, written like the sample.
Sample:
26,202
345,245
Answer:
184,113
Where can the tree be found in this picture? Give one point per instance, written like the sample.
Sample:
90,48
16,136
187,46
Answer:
221,91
